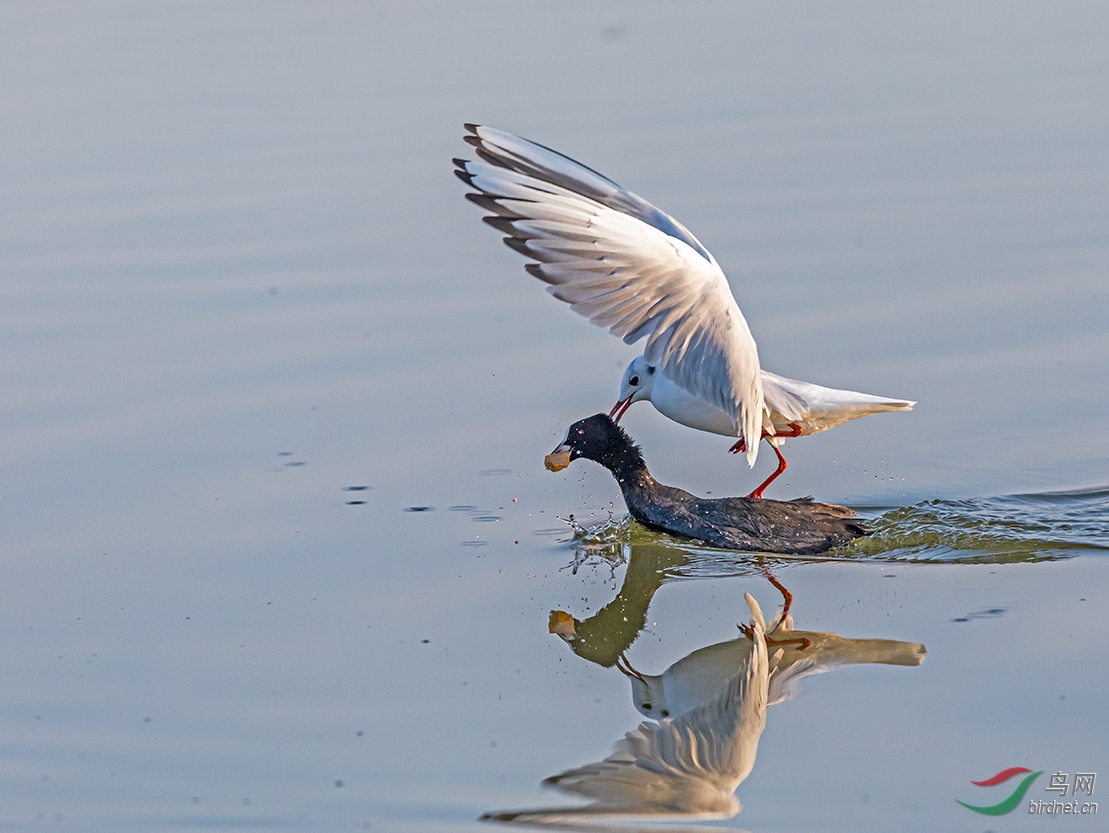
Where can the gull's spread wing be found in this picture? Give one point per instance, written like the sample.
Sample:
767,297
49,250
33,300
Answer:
623,264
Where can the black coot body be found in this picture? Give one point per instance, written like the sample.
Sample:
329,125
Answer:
734,523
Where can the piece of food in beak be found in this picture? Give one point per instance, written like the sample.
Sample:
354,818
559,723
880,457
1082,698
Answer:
557,460
562,623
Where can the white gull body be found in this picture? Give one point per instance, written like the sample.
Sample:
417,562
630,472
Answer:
795,408
813,408
626,266
689,766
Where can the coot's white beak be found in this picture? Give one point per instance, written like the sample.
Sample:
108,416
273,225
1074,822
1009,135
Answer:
618,409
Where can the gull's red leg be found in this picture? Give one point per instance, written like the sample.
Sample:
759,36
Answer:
794,431
802,642
787,597
755,495
741,444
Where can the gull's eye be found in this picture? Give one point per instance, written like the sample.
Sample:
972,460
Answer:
633,381
665,712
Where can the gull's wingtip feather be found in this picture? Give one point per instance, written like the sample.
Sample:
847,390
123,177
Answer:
756,611
536,271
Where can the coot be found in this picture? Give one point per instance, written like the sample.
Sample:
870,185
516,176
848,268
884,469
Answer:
735,523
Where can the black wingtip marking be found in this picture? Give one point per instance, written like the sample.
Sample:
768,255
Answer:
490,204
519,245
485,155
492,220
536,271
483,200
502,224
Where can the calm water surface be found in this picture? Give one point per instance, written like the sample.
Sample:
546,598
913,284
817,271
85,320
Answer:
250,325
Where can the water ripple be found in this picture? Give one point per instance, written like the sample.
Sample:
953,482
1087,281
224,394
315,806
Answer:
1029,527
983,530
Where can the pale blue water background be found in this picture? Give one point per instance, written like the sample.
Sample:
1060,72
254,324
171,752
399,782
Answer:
238,277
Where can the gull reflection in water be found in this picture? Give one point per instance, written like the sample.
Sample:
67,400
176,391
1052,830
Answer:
710,706
688,766
694,679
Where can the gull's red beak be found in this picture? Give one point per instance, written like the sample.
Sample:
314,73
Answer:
627,670
618,409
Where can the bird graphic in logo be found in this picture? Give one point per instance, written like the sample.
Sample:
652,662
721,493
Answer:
1010,803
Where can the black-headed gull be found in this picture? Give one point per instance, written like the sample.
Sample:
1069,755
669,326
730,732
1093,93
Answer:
688,767
796,408
626,266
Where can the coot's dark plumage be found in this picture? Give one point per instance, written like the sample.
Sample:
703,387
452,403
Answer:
735,523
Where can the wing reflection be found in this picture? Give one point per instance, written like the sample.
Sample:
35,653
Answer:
695,678
688,767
